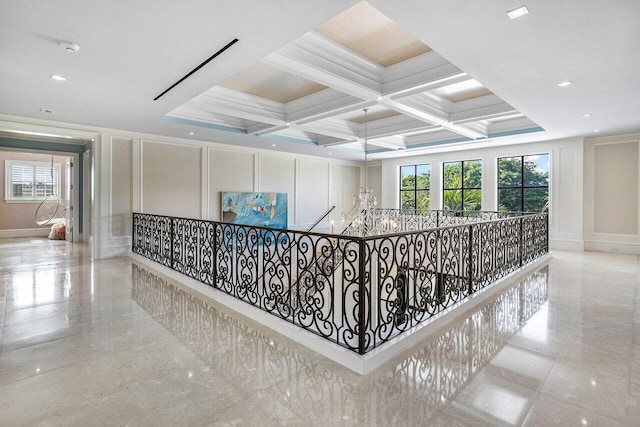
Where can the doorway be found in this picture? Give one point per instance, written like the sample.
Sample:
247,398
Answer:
39,191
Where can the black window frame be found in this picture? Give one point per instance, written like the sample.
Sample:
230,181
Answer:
415,185
521,187
462,187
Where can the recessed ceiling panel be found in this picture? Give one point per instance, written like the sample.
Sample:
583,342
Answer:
457,109
462,91
267,82
366,31
374,113
515,116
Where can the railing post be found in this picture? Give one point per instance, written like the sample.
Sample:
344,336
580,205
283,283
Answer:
215,255
470,259
171,244
361,297
546,220
440,278
521,240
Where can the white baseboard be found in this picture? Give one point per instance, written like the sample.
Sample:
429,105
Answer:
567,245
622,248
25,232
114,251
357,363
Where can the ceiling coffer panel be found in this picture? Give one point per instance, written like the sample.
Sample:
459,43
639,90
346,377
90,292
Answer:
315,88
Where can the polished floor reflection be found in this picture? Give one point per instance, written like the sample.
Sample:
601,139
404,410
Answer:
112,342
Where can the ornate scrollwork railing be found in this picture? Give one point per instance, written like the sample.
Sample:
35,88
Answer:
358,292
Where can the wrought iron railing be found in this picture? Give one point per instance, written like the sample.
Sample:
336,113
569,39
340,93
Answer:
358,292
387,221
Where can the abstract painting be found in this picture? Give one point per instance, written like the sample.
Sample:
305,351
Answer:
258,209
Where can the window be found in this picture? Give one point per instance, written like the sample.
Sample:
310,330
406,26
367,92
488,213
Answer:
415,181
27,181
462,185
523,183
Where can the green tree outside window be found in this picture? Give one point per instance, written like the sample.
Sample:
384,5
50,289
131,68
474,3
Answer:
415,183
462,185
523,183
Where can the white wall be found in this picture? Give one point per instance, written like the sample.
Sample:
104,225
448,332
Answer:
170,176
565,186
594,183
611,211
121,191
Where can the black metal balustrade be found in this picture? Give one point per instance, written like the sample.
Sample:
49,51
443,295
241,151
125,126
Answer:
358,292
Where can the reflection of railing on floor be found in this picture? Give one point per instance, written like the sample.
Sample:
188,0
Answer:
437,371
358,292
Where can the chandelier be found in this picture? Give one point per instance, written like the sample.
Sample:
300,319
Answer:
365,221
365,199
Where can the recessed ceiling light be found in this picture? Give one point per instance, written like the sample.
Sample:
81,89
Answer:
58,77
565,83
192,133
596,130
586,115
273,145
46,110
517,13
69,47
288,124
379,98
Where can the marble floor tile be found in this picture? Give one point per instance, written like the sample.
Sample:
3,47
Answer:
521,366
183,396
61,391
113,342
547,411
588,388
117,409
492,400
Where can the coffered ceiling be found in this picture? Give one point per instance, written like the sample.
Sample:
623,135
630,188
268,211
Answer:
431,74
315,89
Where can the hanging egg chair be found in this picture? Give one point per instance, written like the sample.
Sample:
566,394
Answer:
49,207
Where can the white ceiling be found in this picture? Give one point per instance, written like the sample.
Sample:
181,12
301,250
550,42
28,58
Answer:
132,50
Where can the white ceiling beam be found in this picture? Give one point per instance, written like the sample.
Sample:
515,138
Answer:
477,126
425,72
328,141
441,135
419,112
322,73
298,133
511,125
391,142
336,128
228,102
199,115
323,104
481,108
323,61
397,125
338,54
265,128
